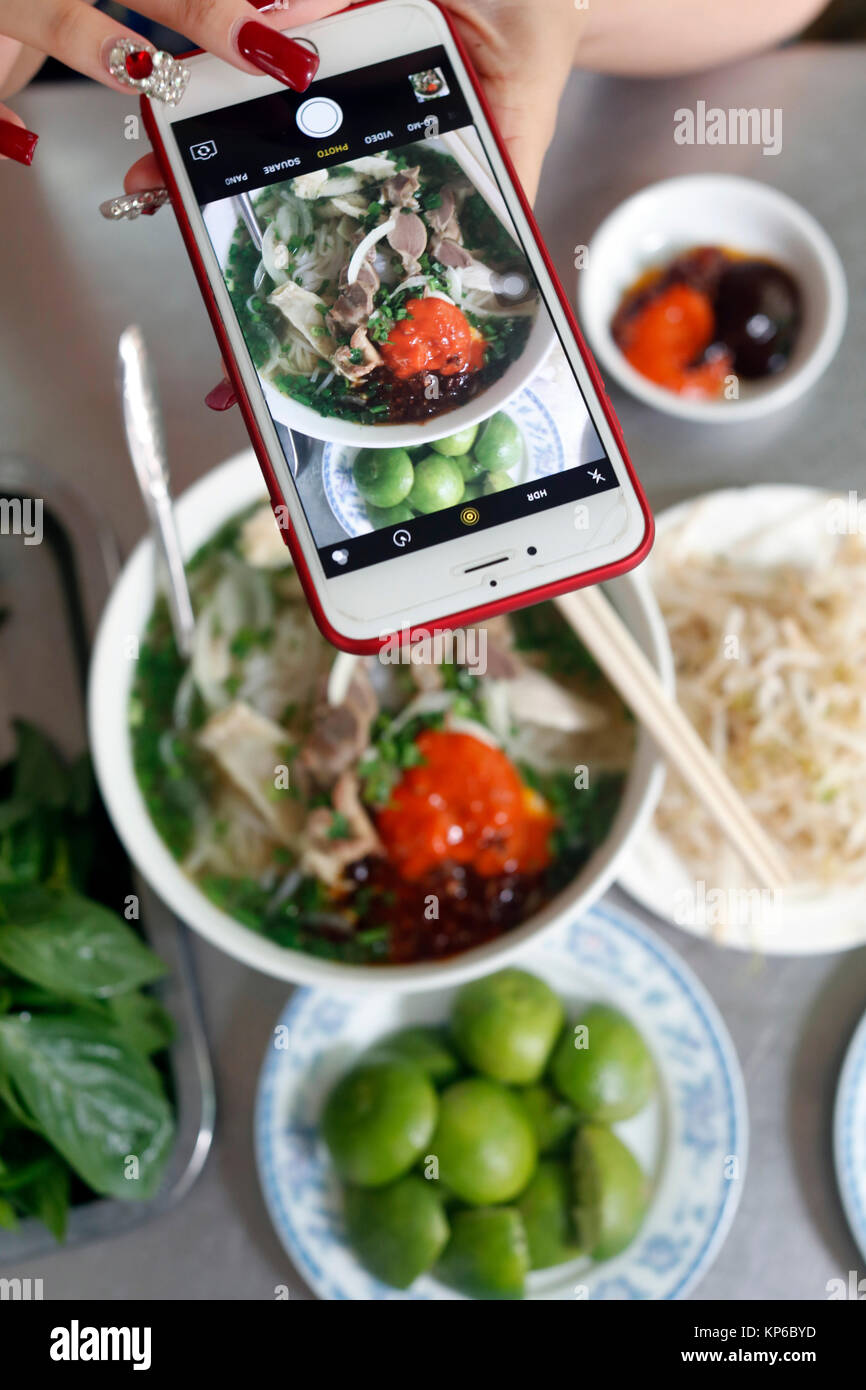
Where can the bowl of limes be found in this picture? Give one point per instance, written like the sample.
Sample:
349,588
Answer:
368,489
526,1135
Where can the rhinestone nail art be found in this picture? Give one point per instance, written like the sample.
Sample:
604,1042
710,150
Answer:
149,70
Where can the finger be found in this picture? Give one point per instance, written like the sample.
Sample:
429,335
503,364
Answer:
75,34
222,396
239,33
16,141
145,173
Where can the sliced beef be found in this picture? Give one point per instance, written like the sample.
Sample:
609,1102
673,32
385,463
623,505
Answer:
408,237
401,189
345,358
443,219
339,733
450,253
327,854
353,307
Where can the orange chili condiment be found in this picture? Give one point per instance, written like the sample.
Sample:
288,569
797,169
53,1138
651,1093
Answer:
465,804
434,337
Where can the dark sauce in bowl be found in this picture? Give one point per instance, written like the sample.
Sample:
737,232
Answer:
711,313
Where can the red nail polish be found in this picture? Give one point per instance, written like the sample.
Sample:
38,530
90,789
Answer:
16,142
222,397
277,55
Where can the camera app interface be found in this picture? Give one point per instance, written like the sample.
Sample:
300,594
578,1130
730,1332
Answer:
413,373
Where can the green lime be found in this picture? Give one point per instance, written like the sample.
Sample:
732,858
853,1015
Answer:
470,467
546,1208
505,1025
438,483
483,1142
603,1066
389,516
399,1231
377,1120
383,476
454,444
499,445
473,490
611,1192
553,1119
488,1254
497,482
426,1047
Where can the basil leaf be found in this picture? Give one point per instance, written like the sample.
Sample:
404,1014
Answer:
8,1219
68,944
46,1196
96,1100
142,1022
41,777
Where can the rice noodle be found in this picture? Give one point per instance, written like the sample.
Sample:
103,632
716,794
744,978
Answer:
771,670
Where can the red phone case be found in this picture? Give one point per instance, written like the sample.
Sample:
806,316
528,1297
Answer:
467,615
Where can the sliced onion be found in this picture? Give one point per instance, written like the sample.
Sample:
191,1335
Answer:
455,283
409,284
270,241
359,255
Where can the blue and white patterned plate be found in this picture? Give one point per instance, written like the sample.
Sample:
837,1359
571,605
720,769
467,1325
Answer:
693,1139
849,1135
543,454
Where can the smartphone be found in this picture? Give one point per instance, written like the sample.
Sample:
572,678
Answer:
435,437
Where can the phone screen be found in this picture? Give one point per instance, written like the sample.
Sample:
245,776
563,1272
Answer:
379,281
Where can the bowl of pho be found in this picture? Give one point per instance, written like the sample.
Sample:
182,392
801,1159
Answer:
389,298
391,821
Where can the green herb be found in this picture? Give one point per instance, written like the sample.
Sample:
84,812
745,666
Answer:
247,638
541,629
78,1096
339,829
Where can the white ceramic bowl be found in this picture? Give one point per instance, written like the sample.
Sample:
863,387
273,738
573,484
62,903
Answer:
653,226
200,512
221,220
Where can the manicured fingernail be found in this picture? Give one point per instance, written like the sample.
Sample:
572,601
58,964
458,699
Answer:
277,55
144,203
149,70
222,397
16,142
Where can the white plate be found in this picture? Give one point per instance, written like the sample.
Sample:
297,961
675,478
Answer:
771,524
542,454
693,1139
849,1135
672,216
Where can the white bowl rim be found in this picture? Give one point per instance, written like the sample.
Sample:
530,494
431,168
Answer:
200,510
790,385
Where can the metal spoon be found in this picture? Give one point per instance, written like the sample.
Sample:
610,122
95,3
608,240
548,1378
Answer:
146,443
248,213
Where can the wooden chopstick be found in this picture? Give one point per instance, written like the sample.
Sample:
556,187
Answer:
602,631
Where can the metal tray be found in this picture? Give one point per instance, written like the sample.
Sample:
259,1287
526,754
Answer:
52,595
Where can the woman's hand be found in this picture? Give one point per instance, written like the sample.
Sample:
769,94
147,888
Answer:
90,41
522,50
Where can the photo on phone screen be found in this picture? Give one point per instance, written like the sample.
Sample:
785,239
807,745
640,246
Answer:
380,283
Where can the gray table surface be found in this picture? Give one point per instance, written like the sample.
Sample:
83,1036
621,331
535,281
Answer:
69,282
